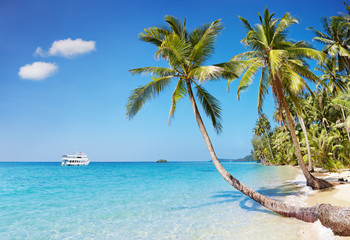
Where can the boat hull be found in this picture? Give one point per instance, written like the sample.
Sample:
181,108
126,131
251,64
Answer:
75,160
75,164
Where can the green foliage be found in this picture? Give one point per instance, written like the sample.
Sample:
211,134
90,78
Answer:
282,62
144,93
210,106
326,130
336,39
185,52
326,110
284,70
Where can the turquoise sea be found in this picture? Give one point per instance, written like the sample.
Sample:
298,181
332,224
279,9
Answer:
182,200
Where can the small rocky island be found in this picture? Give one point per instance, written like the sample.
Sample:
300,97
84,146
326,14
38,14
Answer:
161,161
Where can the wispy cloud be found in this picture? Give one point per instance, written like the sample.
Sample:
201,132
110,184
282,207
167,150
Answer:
69,48
40,52
37,71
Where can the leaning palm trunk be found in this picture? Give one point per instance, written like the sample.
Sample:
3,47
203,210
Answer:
314,183
302,124
336,218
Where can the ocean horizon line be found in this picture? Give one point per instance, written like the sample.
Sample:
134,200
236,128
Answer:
180,161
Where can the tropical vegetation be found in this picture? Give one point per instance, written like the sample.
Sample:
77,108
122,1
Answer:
323,129
284,68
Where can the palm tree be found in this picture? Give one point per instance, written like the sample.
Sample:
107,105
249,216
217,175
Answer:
259,151
321,109
185,52
283,68
336,40
337,82
323,147
262,128
343,101
283,145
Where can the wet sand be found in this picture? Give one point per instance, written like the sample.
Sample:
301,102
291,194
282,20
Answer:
339,196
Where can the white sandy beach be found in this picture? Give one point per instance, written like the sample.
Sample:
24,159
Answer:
339,196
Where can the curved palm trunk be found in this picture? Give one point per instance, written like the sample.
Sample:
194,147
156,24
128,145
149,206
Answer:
336,218
302,124
314,183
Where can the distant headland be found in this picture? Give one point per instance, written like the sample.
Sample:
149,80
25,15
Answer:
248,158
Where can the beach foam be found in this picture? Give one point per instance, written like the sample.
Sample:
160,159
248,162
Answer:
339,195
299,199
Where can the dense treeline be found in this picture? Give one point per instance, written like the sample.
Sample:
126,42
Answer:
321,117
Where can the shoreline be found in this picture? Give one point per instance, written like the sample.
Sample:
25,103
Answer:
339,195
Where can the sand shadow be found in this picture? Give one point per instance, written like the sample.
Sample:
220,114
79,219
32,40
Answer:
248,204
245,202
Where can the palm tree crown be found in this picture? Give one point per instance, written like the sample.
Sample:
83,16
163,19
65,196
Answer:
337,82
336,38
186,53
262,125
282,62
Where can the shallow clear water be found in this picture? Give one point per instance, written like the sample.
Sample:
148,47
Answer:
140,201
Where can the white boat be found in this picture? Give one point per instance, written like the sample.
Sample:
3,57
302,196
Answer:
79,159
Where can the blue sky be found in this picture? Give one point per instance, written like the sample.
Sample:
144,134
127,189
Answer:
80,105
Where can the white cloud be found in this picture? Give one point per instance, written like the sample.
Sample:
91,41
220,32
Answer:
37,71
69,48
40,52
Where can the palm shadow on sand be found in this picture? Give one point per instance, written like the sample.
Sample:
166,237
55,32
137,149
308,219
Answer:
245,202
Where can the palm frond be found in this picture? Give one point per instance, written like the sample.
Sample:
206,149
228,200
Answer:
157,71
344,52
309,53
205,45
276,58
197,34
206,73
286,21
145,93
176,26
247,55
175,50
319,33
153,35
263,88
211,107
292,81
343,100
323,40
248,76
246,24
179,92
302,70
230,70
